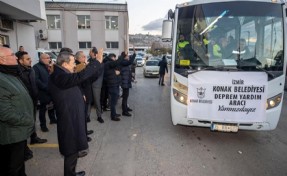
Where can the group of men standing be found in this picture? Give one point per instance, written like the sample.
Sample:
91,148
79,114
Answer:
66,92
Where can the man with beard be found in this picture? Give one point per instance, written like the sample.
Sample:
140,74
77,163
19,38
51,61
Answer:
96,84
27,76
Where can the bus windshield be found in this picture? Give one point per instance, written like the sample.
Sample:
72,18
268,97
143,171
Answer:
230,35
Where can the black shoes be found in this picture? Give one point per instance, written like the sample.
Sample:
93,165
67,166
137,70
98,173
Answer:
37,140
44,129
162,84
115,119
89,139
126,114
81,173
100,120
90,132
129,109
106,109
82,153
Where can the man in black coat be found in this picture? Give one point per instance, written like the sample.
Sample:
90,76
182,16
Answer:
27,76
162,68
112,78
97,88
126,84
42,76
70,107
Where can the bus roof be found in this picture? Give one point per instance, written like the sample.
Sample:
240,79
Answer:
195,2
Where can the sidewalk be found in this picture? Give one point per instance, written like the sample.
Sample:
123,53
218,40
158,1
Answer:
47,160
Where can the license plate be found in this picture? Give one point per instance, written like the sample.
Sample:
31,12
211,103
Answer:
224,127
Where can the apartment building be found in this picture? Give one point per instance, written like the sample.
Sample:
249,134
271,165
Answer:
81,25
15,23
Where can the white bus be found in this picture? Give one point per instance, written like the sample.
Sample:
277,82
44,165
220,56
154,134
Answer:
228,63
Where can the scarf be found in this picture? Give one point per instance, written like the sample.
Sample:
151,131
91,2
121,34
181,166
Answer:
10,69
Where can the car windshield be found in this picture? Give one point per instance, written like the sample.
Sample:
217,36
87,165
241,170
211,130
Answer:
155,58
52,56
152,63
230,34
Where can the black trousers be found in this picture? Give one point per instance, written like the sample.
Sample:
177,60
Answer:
161,79
114,93
87,113
104,96
34,134
70,163
125,100
42,114
12,159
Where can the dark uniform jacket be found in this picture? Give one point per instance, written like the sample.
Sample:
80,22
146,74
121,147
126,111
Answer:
42,77
162,66
70,107
110,76
27,76
126,72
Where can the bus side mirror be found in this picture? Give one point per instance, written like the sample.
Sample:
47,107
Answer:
166,30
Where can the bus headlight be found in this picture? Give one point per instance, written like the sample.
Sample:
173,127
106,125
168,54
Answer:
180,97
273,101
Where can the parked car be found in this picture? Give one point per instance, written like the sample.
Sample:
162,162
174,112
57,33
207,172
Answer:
151,68
56,52
105,54
139,61
50,53
155,58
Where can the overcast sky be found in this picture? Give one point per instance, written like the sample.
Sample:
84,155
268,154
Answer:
145,16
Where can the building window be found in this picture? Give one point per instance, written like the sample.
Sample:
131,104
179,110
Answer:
53,21
4,40
55,45
112,22
85,45
112,44
83,21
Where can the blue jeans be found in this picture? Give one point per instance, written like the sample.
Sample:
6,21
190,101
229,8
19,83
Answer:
114,94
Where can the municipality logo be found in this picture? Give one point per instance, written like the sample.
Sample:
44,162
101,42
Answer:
201,92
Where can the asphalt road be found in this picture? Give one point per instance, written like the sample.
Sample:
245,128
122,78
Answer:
147,144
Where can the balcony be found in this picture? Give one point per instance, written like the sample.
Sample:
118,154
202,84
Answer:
27,10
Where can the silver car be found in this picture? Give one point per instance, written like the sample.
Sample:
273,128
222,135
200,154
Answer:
139,61
151,68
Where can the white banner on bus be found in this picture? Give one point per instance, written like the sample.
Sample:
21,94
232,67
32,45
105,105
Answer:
227,96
